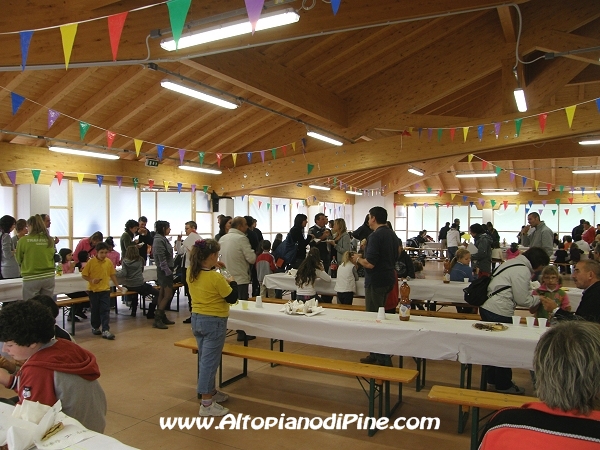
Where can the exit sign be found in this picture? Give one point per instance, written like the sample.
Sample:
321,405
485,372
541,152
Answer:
151,162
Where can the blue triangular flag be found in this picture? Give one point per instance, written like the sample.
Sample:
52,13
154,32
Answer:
464,198
598,104
594,208
335,5
524,180
471,203
25,41
17,101
530,203
159,150
480,132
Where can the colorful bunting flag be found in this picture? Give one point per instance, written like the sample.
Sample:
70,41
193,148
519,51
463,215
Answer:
234,157
465,133
219,156
570,111
52,116
429,133
452,132
470,157
115,28
178,10
561,188
557,201
150,184
193,188
25,38
512,176
483,164
310,167
536,184
201,156
571,200
16,101
465,198
262,156
137,143
83,129
249,155
567,212
493,202
181,156
579,210
99,178
12,176
335,5
505,203
553,212
80,177
498,170
544,202
205,189
542,118
480,132
440,131
254,8
67,33
36,175
135,183
497,129
119,181
59,177
273,152
159,151
179,186
110,137
166,184
518,123
530,203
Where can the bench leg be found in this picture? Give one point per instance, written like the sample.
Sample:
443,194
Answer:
474,428
421,368
239,376
72,316
373,430
463,411
273,342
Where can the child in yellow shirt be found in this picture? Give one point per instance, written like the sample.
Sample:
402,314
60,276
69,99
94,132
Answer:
98,272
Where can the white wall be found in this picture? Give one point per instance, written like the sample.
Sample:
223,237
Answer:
364,203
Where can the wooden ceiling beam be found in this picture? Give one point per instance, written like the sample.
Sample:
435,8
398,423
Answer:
247,69
559,42
508,20
385,152
566,148
401,179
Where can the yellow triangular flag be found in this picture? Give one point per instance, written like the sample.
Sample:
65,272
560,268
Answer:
580,210
138,146
570,110
470,157
251,200
536,183
68,33
234,157
80,177
294,146
465,132
517,207
452,196
166,183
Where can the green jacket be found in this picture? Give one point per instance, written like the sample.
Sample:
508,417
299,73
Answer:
35,257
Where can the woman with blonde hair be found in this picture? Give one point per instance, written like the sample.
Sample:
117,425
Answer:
35,255
341,242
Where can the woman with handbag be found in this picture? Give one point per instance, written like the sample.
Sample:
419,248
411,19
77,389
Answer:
211,295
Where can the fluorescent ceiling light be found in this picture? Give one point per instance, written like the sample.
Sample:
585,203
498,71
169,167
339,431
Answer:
520,99
321,188
197,94
420,195
500,193
590,142
324,138
201,169
231,29
477,175
353,192
586,171
71,151
415,171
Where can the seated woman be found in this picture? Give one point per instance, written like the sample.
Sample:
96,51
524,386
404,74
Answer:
310,269
566,363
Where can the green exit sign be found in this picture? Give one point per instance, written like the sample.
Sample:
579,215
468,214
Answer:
151,162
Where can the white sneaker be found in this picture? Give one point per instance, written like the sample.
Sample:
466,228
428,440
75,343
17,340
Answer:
214,410
220,397
108,335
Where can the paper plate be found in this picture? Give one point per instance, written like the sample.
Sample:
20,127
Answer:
488,326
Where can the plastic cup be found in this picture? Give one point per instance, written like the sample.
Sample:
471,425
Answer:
530,321
244,304
381,313
516,320
76,270
258,302
466,280
542,323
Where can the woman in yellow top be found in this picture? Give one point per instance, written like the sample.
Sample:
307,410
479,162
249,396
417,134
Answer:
211,294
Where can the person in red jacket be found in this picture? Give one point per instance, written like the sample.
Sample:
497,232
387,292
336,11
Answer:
52,369
566,363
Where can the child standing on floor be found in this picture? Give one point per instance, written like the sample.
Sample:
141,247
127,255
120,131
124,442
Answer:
98,272
550,288
265,265
345,283
562,256
68,265
460,266
513,251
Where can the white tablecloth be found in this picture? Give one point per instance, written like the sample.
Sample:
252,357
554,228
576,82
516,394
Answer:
428,289
73,282
423,337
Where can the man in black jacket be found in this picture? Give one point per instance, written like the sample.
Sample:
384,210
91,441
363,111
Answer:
578,231
587,277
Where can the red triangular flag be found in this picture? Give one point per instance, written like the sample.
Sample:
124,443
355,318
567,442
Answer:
150,184
219,156
59,177
115,28
110,137
571,200
542,118
483,164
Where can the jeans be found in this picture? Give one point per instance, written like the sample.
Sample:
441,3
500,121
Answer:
100,305
451,252
210,332
500,376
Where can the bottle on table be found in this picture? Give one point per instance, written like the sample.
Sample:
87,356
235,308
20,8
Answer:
333,266
59,269
404,307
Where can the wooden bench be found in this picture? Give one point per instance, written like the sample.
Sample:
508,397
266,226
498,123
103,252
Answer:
379,377
476,399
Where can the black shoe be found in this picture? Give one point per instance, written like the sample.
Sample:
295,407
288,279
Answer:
370,360
241,337
188,320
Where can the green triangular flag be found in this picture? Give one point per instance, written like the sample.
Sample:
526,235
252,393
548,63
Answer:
205,188
178,10
493,202
83,129
201,158
310,168
437,205
557,201
36,174
273,152
561,187
553,212
498,170
268,206
135,183
440,131
428,189
518,123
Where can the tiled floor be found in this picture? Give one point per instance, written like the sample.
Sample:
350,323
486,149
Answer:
145,377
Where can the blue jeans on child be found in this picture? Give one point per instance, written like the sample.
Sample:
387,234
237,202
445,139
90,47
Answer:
100,306
210,332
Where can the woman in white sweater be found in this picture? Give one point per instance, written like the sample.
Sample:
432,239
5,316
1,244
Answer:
345,283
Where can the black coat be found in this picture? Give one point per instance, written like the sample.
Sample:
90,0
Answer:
589,308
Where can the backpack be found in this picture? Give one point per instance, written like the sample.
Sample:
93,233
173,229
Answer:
286,252
476,292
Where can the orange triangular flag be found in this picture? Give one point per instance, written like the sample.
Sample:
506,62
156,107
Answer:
68,33
570,110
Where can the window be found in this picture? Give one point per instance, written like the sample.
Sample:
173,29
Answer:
89,209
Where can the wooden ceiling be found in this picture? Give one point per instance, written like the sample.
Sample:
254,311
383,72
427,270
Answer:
367,75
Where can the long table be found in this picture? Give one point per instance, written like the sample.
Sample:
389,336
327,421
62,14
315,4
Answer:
428,289
421,337
12,289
